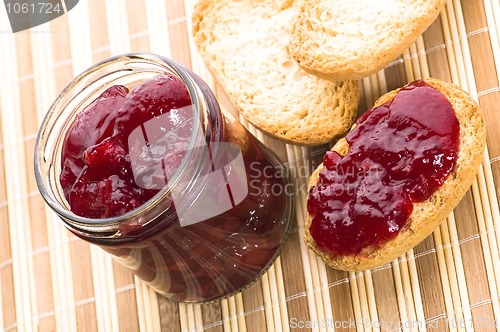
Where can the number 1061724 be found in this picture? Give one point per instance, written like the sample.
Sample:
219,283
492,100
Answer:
34,8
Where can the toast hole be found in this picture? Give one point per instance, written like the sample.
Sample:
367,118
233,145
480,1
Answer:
287,64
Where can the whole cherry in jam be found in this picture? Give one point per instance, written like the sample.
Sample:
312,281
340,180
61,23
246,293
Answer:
92,125
97,176
399,153
151,99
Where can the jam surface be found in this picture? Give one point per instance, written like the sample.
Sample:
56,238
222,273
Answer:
96,177
400,153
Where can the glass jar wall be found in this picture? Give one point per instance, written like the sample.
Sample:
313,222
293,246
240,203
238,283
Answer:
217,221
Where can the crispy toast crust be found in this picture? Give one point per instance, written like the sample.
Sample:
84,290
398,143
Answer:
245,45
349,40
426,216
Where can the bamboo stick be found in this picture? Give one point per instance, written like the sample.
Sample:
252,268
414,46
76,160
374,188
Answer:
496,11
464,48
452,30
449,280
97,276
356,301
302,155
422,58
232,313
363,300
118,32
325,296
459,78
489,228
491,192
197,63
225,315
459,270
2,323
153,312
183,316
372,304
369,98
449,47
490,269
79,35
484,197
266,294
158,36
148,313
240,309
415,64
107,317
400,293
375,87
15,182
141,306
408,66
275,304
58,237
408,291
110,292
382,82
453,275
300,213
315,291
281,296
493,20
190,317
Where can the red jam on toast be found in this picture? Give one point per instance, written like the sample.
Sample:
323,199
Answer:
400,153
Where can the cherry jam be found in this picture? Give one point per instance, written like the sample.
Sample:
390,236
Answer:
97,176
400,153
137,157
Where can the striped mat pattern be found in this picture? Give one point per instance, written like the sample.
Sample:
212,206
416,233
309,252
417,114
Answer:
51,281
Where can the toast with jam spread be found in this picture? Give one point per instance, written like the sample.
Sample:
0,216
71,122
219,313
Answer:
395,177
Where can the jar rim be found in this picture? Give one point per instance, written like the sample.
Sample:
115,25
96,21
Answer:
168,65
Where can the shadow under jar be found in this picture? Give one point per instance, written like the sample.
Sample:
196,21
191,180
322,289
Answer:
216,222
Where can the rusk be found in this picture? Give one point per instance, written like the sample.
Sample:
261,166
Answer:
245,46
348,40
426,216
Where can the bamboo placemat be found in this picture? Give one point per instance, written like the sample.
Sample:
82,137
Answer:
51,281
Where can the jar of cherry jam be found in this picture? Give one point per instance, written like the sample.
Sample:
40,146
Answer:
181,194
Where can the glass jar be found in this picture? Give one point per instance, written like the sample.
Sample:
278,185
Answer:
216,224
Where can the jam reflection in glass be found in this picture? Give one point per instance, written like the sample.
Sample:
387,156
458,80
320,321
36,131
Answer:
155,174
399,153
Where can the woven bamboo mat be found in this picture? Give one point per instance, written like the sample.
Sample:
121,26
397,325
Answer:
51,281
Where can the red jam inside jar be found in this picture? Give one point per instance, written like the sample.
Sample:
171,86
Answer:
97,176
399,153
109,175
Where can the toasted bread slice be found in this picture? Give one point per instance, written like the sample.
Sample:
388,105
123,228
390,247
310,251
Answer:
348,40
427,215
245,45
